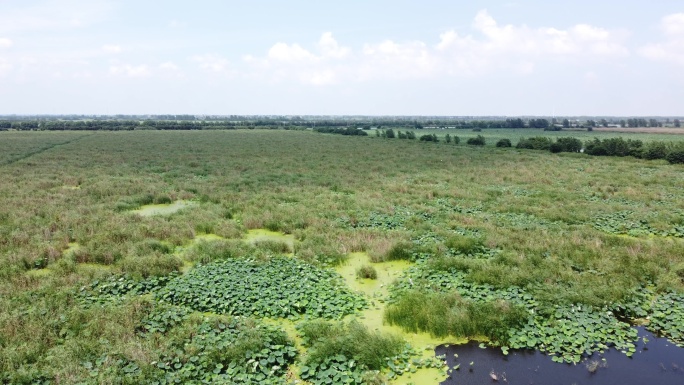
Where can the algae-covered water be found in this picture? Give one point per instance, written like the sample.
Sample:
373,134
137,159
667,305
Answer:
376,290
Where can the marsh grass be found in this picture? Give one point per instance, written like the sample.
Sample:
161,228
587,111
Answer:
447,314
538,209
352,340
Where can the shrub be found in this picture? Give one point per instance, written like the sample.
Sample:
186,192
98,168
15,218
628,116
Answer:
535,143
410,135
426,138
477,141
566,145
447,138
389,134
456,139
655,150
676,155
614,147
504,143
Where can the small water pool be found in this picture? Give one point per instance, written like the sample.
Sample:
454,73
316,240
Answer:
657,361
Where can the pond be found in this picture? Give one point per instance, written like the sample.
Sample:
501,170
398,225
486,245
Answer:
657,361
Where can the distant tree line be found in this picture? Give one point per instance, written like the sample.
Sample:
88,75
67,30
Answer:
201,122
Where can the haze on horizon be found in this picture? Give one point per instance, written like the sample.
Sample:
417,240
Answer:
526,57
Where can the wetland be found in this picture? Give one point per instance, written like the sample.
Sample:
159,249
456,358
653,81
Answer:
276,257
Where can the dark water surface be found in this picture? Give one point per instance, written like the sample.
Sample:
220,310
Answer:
656,362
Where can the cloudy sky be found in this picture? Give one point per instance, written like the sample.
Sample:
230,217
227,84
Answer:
518,57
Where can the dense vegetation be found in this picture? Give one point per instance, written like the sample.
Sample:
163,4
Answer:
530,249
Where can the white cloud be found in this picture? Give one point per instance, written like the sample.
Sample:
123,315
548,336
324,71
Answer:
488,47
169,66
55,14
131,71
330,48
111,48
283,62
5,42
673,24
289,53
213,63
671,50
5,67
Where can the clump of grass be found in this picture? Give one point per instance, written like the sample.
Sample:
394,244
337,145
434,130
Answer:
205,252
444,314
352,340
153,245
155,264
400,251
464,245
274,246
162,199
367,271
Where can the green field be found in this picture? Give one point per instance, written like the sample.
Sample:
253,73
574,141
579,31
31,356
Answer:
249,280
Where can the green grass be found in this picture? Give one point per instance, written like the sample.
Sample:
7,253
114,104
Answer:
567,229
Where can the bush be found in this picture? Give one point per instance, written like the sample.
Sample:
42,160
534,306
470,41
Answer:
535,143
566,145
427,138
676,155
655,150
477,141
410,135
614,147
504,143
389,134
456,139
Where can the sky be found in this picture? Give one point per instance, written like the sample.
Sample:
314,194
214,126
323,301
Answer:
513,58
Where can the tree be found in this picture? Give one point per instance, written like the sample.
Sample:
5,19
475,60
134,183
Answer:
566,123
389,134
447,138
677,123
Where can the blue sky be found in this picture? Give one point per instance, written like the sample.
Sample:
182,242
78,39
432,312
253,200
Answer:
353,57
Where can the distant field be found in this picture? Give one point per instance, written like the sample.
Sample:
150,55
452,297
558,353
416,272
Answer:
493,135
645,130
239,270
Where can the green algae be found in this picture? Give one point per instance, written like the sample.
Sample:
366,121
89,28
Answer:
376,290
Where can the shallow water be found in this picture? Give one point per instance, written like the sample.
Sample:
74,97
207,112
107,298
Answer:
377,291
163,209
656,362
